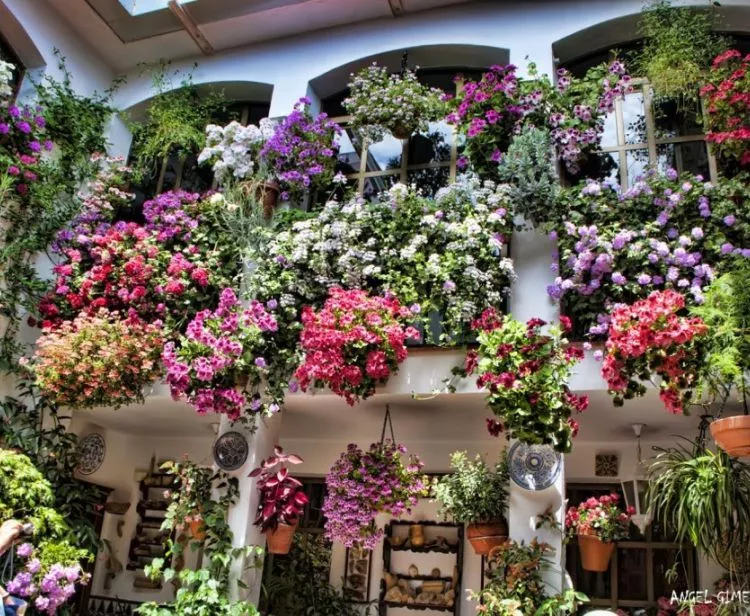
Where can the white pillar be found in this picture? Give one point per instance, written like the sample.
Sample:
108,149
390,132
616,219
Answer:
242,515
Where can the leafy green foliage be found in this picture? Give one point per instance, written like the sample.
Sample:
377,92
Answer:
704,497
175,120
473,492
297,584
678,49
53,451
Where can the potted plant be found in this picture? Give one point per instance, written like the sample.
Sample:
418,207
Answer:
598,523
354,343
727,96
525,372
362,484
190,498
398,103
476,495
301,152
282,500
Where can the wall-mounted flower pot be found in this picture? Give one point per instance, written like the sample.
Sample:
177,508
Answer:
267,194
279,539
487,535
595,554
732,434
197,530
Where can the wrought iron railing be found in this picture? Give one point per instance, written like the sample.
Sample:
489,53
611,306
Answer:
110,606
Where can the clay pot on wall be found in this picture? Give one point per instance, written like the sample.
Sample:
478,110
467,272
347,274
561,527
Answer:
484,536
279,539
732,434
595,554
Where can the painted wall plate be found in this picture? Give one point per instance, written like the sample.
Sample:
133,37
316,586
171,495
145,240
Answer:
231,451
91,451
534,467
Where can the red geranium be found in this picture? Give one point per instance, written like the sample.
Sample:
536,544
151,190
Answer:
354,343
650,338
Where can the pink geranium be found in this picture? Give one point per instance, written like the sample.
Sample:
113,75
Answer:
602,517
354,343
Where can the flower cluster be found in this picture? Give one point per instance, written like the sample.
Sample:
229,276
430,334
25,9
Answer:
602,517
650,338
380,102
46,586
234,150
354,343
526,373
446,255
6,75
362,484
302,151
666,231
22,133
97,360
727,95
495,108
218,350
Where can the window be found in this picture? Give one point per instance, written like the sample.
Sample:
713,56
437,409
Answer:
426,159
637,575
183,172
7,55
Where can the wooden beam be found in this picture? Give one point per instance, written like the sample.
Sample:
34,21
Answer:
397,7
191,27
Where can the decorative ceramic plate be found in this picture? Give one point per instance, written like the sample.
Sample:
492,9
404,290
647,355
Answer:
91,450
230,451
534,467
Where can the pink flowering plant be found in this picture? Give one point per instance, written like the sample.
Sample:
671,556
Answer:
362,484
491,111
354,343
602,517
221,363
525,371
97,360
652,338
302,151
666,231
22,143
727,97
282,497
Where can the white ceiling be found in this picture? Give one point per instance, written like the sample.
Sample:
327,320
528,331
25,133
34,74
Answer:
107,26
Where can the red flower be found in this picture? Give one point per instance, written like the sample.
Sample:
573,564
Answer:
566,323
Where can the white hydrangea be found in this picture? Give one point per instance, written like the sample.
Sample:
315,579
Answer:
6,76
233,150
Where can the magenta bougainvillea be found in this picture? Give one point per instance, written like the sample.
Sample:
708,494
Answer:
362,484
218,365
354,343
652,338
728,99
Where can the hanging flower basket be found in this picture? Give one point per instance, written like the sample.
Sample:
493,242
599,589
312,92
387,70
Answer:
484,536
732,434
402,131
595,554
279,539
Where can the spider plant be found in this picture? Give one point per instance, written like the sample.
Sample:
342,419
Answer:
704,498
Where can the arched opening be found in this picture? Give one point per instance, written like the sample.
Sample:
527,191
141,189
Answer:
17,48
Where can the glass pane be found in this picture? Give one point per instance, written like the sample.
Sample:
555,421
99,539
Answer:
631,574
691,156
429,180
376,185
432,146
609,134
672,121
349,152
634,118
664,561
385,154
637,165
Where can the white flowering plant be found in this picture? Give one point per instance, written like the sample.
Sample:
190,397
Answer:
398,103
6,75
445,256
234,150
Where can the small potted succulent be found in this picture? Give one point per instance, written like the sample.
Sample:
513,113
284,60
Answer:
476,495
396,103
598,523
282,500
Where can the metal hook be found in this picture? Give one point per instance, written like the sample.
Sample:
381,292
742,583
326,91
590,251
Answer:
387,421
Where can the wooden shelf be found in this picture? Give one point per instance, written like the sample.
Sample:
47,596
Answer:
424,578
451,549
420,606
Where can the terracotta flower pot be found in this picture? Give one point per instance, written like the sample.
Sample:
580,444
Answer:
595,554
267,193
484,536
197,530
279,539
732,434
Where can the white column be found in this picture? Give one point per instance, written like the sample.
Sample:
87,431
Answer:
242,515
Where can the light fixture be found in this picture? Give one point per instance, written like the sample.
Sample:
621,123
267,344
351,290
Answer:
634,487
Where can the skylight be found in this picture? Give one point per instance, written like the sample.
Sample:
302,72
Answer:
141,7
